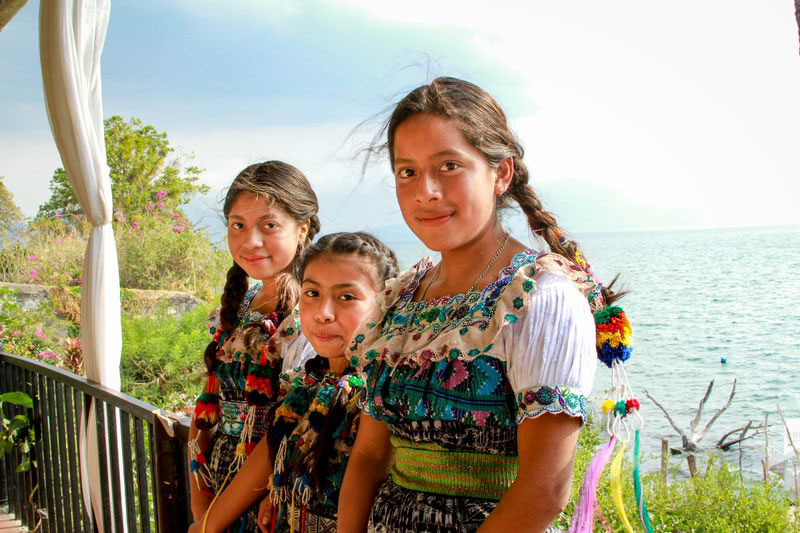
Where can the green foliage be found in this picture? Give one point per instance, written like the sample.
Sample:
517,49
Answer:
141,173
36,334
162,357
9,211
17,432
715,500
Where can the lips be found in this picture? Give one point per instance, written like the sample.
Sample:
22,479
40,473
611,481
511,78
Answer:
434,219
255,259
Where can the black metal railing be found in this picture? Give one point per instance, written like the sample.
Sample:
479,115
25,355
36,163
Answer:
142,468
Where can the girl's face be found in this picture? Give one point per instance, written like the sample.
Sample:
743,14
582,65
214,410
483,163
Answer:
338,292
263,238
445,187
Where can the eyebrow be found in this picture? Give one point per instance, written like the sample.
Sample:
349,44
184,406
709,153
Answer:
433,156
268,216
337,286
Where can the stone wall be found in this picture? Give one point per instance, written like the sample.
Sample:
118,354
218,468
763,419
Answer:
134,301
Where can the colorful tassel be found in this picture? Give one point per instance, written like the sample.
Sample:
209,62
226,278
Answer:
583,519
206,410
637,488
616,487
614,336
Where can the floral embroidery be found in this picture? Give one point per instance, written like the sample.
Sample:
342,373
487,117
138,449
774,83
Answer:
537,400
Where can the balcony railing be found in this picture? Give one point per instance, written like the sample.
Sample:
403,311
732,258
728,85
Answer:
144,484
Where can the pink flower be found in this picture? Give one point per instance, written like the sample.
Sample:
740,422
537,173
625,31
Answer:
57,215
178,229
32,258
176,215
160,204
47,355
75,282
151,206
33,272
160,195
16,333
39,334
135,224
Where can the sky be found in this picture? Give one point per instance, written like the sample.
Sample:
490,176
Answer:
634,114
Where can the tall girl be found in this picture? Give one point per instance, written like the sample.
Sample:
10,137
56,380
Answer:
314,426
478,367
271,214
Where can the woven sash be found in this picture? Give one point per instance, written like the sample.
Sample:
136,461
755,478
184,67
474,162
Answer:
428,467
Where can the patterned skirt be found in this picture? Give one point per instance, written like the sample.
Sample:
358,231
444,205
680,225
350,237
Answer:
400,510
223,451
310,522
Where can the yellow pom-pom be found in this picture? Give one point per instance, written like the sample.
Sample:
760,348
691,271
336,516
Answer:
240,449
608,406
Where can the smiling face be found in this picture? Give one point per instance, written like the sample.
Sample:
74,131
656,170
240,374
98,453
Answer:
445,186
262,237
338,292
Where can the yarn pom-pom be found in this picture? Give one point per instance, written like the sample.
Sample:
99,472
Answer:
614,335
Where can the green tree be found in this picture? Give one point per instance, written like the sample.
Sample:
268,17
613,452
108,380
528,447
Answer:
141,172
9,211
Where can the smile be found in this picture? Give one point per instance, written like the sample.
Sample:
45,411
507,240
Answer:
434,219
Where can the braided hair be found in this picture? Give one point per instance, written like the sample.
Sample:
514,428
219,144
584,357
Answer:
482,121
359,243
286,187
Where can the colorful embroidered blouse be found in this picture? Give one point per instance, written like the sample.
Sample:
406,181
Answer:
314,401
462,372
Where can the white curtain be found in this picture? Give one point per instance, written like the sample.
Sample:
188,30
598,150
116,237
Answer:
71,37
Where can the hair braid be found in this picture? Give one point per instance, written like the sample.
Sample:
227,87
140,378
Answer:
230,302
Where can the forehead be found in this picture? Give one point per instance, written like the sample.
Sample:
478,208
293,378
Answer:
331,269
250,206
426,134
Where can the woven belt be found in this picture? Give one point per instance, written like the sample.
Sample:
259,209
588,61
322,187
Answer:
231,418
429,467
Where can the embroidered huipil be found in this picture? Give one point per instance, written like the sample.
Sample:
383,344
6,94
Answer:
243,390
313,431
453,377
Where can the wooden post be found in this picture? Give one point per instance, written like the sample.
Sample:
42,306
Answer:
766,447
690,458
664,458
170,482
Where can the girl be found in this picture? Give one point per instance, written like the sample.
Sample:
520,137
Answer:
271,214
314,427
478,367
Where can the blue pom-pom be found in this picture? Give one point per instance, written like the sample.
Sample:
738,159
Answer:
607,353
194,466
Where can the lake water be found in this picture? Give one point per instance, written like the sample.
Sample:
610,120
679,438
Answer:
697,296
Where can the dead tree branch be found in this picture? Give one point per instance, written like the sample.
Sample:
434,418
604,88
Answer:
785,425
666,414
699,414
716,415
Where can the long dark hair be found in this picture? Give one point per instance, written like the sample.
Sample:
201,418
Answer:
482,121
282,185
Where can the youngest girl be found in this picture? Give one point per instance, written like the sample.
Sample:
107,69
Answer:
313,429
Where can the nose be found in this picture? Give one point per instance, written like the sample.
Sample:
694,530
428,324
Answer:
253,238
428,188
325,312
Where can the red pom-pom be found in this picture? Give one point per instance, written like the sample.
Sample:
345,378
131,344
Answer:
632,405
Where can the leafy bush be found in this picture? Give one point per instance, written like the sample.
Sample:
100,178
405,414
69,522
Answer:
162,357
715,500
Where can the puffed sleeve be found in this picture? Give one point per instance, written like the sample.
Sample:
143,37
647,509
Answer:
552,356
296,352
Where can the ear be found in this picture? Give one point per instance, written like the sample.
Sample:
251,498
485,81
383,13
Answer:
304,228
505,173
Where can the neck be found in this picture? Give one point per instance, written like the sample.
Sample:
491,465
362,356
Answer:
266,300
460,266
338,364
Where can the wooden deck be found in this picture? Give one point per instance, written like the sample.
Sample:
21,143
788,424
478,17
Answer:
9,525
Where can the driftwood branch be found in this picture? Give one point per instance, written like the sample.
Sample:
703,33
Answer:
723,445
699,414
666,414
716,415
785,425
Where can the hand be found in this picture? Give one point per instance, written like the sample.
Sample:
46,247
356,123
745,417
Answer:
265,514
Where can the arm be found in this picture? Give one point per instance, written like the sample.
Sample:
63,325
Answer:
247,487
366,470
541,491
199,500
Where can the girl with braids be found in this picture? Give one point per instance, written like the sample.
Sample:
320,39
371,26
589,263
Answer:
477,368
271,214
303,457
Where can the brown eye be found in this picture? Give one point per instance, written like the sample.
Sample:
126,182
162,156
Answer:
449,165
406,173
